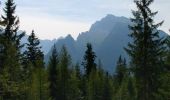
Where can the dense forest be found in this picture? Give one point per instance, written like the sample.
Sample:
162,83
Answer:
25,76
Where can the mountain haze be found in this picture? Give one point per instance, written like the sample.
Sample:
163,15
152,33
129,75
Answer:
108,37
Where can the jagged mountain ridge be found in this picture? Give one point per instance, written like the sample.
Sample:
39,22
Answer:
108,36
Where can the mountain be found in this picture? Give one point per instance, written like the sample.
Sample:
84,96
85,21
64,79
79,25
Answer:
108,36
70,44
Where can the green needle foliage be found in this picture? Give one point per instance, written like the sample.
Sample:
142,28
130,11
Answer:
146,50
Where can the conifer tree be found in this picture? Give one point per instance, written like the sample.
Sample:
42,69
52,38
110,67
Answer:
74,91
145,50
34,56
9,36
107,88
63,80
121,70
89,60
33,52
96,86
10,53
53,74
11,23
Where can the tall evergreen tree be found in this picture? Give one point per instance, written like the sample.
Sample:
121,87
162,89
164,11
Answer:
121,70
10,53
33,52
53,74
34,56
145,50
99,86
89,60
74,91
9,36
107,88
64,75
11,21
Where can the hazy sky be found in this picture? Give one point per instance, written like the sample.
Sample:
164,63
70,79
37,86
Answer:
55,18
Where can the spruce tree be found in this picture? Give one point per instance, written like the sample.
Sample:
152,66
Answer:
53,74
93,86
10,53
33,52
34,56
89,60
64,75
121,70
74,91
107,88
11,23
9,36
145,50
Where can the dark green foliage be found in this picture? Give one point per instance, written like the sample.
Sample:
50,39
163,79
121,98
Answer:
53,74
11,21
164,88
146,50
99,86
107,88
9,38
74,82
10,56
64,76
121,70
33,52
78,72
25,77
89,60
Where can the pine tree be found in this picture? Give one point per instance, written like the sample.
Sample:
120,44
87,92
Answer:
53,74
11,34
33,52
108,88
89,60
10,53
34,56
121,70
64,75
145,50
96,86
39,86
74,91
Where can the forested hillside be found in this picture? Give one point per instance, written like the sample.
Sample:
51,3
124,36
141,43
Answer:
25,76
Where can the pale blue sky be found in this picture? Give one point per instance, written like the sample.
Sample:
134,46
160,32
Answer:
55,18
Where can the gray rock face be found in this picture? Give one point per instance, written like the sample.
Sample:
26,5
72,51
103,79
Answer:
108,36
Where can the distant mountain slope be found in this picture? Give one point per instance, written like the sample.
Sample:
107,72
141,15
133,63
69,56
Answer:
108,36
112,46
